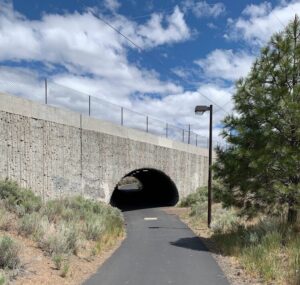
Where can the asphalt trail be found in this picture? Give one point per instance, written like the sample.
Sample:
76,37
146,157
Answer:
159,252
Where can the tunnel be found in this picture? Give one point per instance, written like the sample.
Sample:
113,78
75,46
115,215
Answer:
156,189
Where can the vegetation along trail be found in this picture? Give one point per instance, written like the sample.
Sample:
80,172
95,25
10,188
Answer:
159,249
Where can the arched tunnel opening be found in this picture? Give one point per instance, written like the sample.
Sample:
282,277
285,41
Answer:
144,188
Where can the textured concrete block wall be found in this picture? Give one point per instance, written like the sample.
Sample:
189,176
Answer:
57,153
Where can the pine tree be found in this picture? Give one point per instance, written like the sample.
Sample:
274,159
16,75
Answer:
260,171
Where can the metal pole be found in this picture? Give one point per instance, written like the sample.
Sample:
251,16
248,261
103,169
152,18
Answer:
189,137
183,135
89,105
147,124
209,200
166,130
46,91
196,140
122,116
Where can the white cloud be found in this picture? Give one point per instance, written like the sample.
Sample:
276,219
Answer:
225,64
259,10
154,34
204,9
112,5
212,26
83,44
180,107
96,63
160,29
259,22
175,108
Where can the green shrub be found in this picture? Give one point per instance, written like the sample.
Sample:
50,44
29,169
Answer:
94,227
199,196
18,199
59,210
9,257
224,220
73,208
114,221
31,225
4,219
199,210
62,239
53,210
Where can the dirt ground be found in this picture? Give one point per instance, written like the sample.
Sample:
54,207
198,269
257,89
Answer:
233,270
38,268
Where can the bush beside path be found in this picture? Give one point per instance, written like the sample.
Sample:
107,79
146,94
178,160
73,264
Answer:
264,250
61,241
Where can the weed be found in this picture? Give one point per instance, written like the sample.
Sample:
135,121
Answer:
65,269
9,257
58,260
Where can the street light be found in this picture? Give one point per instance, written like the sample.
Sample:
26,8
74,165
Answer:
201,110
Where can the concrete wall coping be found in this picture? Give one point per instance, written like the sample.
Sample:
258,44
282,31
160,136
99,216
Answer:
32,109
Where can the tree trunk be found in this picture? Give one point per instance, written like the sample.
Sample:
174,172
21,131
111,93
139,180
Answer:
292,216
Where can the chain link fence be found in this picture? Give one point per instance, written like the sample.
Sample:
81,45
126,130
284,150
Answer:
51,93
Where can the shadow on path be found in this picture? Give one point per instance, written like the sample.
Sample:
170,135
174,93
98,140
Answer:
193,243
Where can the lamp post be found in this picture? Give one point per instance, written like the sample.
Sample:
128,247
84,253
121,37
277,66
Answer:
201,110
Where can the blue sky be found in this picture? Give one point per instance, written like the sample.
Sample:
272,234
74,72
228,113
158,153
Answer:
184,52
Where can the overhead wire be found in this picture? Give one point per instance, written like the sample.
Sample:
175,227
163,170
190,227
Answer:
141,49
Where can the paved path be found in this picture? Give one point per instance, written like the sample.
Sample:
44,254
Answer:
159,252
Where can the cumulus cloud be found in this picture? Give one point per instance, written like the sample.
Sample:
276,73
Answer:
94,61
226,64
259,22
154,34
204,9
83,45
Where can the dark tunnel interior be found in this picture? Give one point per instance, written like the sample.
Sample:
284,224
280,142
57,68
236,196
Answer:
157,190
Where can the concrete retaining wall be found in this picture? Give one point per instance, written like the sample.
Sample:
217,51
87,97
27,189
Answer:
56,152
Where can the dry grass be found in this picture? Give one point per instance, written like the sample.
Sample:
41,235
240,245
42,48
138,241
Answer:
267,248
60,228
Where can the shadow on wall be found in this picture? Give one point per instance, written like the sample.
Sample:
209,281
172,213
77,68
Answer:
157,190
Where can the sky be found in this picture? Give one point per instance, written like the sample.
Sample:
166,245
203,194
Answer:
160,58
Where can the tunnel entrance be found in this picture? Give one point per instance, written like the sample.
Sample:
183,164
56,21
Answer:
153,189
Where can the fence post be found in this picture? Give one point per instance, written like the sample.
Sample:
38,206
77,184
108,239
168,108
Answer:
166,130
147,124
89,105
189,135
183,135
122,116
46,91
196,140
